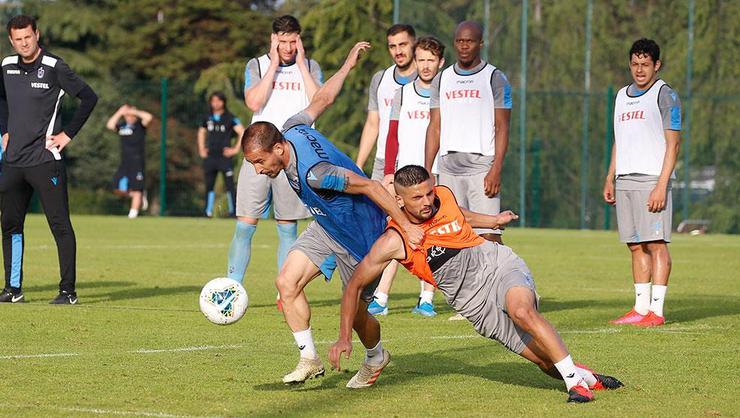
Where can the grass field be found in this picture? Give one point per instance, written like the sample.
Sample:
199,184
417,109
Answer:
137,344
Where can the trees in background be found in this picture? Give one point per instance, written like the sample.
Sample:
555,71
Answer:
124,47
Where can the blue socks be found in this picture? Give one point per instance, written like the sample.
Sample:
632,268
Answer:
240,250
210,199
287,233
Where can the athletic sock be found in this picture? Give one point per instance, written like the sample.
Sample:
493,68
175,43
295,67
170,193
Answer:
230,202
132,213
304,341
642,298
381,298
287,234
240,250
374,356
426,296
587,376
656,304
210,199
569,373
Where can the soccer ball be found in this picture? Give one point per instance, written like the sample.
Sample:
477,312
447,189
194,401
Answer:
223,301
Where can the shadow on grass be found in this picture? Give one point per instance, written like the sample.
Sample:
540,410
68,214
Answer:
140,293
80,286
408,369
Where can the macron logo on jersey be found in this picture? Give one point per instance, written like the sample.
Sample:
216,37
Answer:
40,85
633,115
13,72
463,94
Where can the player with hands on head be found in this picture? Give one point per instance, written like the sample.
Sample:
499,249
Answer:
130,123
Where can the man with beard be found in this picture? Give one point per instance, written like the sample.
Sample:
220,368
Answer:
383,87
405,146
484,281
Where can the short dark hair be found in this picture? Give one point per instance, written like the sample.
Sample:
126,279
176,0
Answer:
411,175
21,22
400,27
647,47
286,24
431,44
261,136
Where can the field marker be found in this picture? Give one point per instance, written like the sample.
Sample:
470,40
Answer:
186,349
47,355
99,411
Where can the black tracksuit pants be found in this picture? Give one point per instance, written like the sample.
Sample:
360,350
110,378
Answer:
17,185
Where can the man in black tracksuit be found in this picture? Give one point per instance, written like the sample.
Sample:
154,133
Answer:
214,146
32,83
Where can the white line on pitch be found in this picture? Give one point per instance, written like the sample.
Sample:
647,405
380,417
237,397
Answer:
186,349
99,411
47,355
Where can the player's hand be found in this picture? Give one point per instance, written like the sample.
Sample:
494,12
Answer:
354,53
415,235
274,56
492,182
300,53
230,152
609,196
656,201
58,141
5,141
505,217
123,109
336,350
203,153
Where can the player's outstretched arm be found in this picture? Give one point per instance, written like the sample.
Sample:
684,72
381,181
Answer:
479,220
375,191
388,247
330,90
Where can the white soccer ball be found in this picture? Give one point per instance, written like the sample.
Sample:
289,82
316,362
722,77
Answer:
223,301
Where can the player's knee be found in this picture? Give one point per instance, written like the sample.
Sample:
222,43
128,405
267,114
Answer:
287,287
524,315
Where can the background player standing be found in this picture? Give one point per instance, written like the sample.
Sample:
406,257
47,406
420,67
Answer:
214,147
469,127
383,87
407,129
129,178
32,85
277,86
647,125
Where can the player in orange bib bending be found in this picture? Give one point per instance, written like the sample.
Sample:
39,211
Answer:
483,281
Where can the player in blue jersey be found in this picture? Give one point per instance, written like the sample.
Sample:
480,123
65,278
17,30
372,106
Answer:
349,215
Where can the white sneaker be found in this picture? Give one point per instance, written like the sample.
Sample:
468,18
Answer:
306,369
133,213
456,317
368,374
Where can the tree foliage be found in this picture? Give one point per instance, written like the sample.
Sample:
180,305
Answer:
124,48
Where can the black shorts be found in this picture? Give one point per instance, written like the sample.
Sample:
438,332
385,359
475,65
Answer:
130,175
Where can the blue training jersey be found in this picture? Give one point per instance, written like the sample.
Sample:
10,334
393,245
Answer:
354,221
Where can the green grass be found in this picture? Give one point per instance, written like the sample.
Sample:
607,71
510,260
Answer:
139,283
